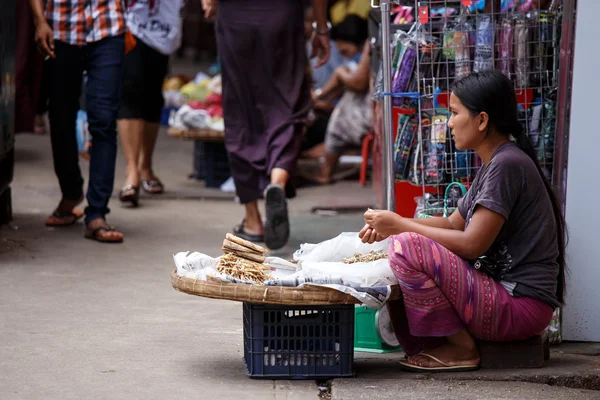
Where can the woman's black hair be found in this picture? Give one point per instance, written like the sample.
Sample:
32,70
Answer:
493,93
353,29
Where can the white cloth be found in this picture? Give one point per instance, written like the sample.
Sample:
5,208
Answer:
158,23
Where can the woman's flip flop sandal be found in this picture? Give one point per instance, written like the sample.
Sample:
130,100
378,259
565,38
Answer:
93,234
153,186
239,232
58,219
277,225
130,194
407,366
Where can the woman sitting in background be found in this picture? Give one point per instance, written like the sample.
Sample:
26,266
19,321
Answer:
509,224
352,116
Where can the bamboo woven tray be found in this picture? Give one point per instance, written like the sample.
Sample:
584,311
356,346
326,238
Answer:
261,294
204,135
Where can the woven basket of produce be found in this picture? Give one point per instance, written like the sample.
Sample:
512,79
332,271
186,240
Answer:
243,261
204,135
260,294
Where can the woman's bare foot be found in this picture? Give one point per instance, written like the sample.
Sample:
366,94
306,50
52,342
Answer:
449,354
99,230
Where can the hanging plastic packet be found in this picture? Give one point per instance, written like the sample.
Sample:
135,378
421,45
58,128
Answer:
448,41
505,46
434,160
396,50
521,49
378,88
476,5
457,47
405,140
543,42
405,70
534,125
546,150
415,172
461,164
525,6
484,45
506,6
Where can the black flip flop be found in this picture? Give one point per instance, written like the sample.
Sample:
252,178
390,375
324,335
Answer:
277,225
239,232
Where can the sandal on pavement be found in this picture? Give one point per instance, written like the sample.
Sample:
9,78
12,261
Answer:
410,367
153,186
239,232
277,225
130,194
96,234
64,219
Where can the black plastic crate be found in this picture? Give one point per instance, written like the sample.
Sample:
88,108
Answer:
298,342
211,163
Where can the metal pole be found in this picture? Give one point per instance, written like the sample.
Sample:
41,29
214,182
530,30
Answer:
561,140
387,153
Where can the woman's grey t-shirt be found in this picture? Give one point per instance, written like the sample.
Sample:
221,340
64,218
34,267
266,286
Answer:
511,185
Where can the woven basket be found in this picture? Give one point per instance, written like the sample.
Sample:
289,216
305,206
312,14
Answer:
204,135
260,294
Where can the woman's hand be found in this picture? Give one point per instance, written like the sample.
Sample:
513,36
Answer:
370,235
384,222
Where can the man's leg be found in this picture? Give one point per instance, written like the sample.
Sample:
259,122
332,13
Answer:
105,74
64,87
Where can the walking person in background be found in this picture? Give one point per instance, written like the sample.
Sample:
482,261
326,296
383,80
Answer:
156,27
81,36
266,100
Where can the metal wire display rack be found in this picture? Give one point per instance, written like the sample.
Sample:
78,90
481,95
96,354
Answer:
452,38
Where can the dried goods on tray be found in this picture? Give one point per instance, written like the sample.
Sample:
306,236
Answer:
370,256
242,269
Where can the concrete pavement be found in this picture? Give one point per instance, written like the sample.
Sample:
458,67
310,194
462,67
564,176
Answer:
82,320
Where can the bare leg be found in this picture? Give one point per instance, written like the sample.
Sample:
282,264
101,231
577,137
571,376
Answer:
131,132
253,223
327,168
460,350
148,144
279,176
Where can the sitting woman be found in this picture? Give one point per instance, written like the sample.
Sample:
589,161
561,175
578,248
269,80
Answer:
509,225
352,112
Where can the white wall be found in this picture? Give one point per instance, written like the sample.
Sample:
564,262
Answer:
581,316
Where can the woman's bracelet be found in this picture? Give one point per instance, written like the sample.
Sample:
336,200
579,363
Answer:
320,32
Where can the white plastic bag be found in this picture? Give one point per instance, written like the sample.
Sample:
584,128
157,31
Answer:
325,260
194,264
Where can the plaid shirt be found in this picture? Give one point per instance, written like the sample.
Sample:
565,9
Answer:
78,22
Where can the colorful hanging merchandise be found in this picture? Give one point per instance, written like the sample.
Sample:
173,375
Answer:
484,45
405,141
543,42
396,50
456,47
436,150
521,52
406,65
505,46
